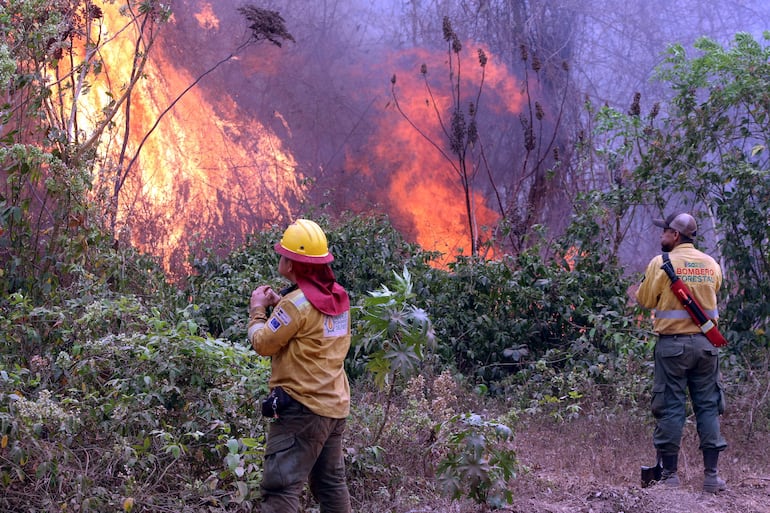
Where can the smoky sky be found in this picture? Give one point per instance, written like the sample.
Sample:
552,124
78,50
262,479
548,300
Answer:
317,81
326,93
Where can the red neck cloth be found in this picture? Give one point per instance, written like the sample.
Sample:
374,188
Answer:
320,288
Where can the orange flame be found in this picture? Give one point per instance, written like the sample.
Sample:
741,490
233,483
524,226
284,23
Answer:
571,256
204,167
424,183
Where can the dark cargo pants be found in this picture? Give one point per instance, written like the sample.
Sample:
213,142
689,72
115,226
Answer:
686,363
304,447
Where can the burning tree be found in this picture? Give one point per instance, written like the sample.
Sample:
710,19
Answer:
516,182
51,58
194,173
461,132
68,124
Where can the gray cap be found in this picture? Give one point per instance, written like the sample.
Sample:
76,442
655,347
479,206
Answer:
682,222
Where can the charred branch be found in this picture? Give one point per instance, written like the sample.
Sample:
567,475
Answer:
266,25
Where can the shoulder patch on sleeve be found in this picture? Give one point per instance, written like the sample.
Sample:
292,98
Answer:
336,326
274,324
282,316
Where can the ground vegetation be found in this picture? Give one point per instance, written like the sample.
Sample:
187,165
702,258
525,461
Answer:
517,383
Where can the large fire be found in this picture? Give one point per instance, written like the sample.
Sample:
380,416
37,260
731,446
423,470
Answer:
425,185
210,174
203,169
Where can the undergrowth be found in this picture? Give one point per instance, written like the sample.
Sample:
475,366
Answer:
112,399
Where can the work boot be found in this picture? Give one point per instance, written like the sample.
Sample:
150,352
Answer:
712,483
668,476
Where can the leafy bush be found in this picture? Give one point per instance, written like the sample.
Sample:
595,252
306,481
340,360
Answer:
480,460
491,316
391,334
130,404
391,337
221,287
367,251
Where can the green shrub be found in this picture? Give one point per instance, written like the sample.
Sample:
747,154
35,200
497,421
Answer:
492,316
221,286
139,396
479,460
366,248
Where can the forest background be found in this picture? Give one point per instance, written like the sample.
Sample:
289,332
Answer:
489,210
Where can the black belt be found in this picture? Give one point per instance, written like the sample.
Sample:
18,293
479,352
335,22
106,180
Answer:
688,336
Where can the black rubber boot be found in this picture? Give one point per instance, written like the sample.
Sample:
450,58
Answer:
669,476
711,481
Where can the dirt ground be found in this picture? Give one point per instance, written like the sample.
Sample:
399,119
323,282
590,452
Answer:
593,466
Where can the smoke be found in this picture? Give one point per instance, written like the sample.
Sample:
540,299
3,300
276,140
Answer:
311,126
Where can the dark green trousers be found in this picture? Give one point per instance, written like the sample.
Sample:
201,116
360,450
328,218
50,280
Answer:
303,447
686,363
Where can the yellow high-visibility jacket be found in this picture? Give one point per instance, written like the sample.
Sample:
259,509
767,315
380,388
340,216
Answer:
308,350
698,271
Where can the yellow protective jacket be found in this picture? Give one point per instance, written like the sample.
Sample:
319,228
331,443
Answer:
308,351
698,271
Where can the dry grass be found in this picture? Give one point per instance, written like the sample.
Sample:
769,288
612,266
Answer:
592,465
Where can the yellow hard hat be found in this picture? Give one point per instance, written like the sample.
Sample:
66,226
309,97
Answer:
304,241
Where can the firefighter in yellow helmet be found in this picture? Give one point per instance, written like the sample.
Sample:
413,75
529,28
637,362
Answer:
307,335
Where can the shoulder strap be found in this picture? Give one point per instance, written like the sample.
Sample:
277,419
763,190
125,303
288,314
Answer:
668,268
